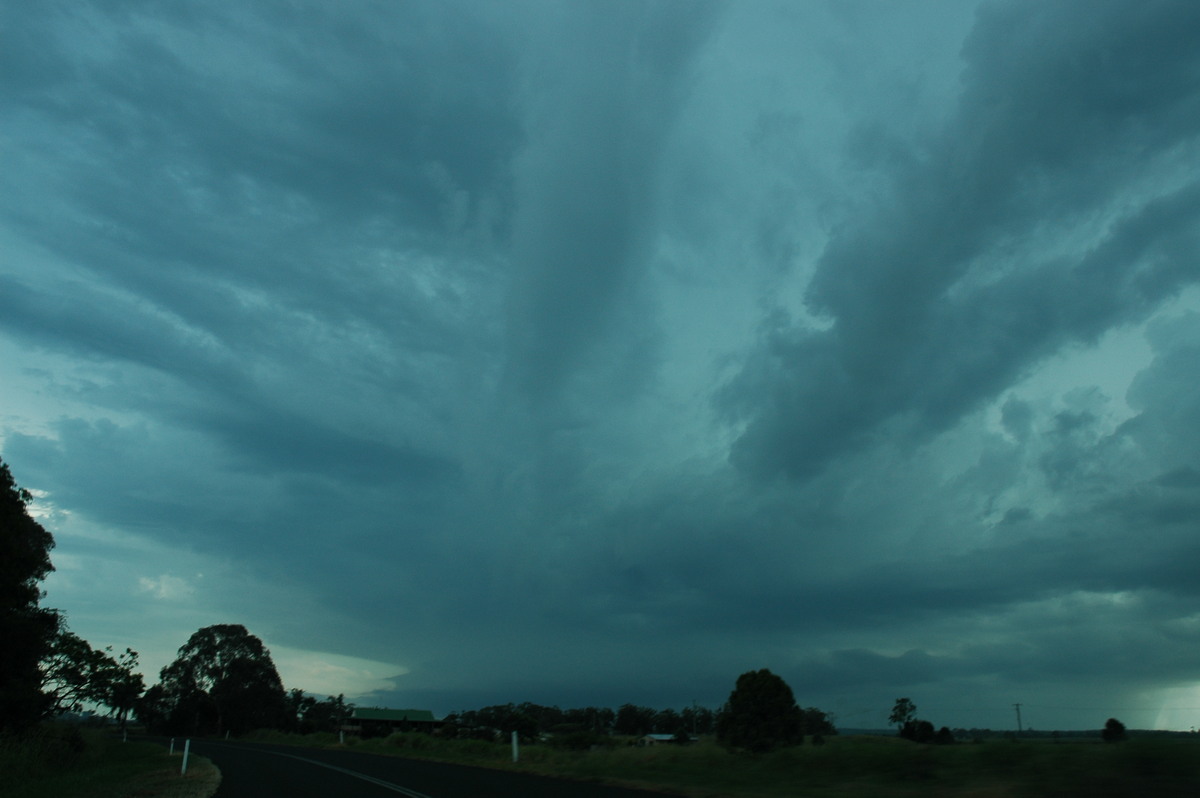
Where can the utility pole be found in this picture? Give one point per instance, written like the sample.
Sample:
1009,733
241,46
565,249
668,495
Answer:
1018,708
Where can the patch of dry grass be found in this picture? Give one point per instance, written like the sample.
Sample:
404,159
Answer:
60,761
201,781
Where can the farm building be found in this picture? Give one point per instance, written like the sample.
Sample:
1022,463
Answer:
377,722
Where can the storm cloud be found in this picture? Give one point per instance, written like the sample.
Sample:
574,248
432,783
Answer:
587,353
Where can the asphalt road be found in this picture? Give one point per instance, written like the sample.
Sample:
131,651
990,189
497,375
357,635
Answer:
256,770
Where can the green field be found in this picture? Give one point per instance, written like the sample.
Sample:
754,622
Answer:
69,762
844,767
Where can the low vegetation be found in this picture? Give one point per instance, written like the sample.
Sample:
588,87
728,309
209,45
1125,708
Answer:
67,761
844,766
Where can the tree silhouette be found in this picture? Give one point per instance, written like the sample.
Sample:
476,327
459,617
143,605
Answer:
761,714
25,628
1114,731
223,680
903,712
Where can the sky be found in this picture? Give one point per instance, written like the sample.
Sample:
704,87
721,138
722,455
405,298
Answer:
591,353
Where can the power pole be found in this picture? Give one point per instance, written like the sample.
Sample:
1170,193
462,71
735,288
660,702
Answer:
1018,708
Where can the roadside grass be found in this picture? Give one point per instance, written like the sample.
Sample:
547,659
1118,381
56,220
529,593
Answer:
882,767
63,761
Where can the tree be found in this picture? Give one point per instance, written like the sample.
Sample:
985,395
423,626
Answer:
594,719
634,720
222,681
25,628
697,720
506,719
75,674
903,712
817,722
761,714
668,721
123,685
330,714
919,731
306,714
1114,731
154,709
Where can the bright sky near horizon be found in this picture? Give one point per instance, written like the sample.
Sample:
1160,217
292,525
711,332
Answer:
596,352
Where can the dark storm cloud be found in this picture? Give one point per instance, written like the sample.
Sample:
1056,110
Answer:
413,313
586,203
195,148
936,299
231,94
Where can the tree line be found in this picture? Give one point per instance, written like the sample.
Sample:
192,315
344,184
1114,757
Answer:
531,720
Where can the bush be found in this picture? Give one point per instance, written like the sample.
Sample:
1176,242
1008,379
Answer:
761,714
1114,731
414,741
43,750
580,741
919,731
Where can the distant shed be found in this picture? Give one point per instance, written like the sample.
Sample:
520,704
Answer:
377,722
659,739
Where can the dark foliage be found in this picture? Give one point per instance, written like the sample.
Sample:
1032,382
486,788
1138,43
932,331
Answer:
500,720
307,715
634,720
761,714
903,712
25,628
1114,731
580,741
698,720
919,731
74,674
222,681
817,722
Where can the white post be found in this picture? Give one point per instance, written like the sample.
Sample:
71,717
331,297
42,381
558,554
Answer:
172,752
516,751
187,745
227,735
341,737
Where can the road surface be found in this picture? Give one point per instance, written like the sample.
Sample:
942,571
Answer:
258,770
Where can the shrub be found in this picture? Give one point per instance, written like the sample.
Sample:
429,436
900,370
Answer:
761,714
1114,731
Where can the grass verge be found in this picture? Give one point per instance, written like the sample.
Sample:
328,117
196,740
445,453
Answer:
846,766
56,761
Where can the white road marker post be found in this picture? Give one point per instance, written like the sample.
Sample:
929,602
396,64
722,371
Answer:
341,737
187,745
172,751
516,750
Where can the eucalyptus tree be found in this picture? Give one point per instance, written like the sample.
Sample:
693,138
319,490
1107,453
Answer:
26,629
74,674
222,681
